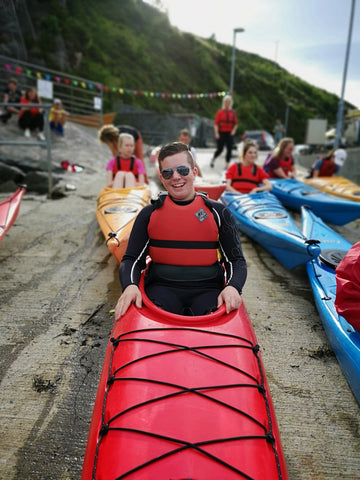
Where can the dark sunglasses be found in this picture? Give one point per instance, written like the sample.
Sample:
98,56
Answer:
183,170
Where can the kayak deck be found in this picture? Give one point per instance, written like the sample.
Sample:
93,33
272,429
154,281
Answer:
116,211
9,209
183,397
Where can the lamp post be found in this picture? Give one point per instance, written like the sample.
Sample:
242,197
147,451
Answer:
340,112
236,30
287,117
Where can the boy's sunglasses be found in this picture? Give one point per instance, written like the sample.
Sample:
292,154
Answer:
183,170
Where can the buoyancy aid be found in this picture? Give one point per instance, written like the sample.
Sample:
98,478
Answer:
227,120
246,178
123,164
327,168
285,164
183,235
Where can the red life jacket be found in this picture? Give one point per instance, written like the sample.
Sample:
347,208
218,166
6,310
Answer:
125,165
285,164
246,179
183,235
327,168
227,119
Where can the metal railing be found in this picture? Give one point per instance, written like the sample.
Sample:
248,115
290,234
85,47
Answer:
29,143
77,94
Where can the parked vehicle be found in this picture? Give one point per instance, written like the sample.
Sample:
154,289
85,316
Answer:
264,139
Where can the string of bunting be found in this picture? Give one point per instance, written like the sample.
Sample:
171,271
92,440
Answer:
19,70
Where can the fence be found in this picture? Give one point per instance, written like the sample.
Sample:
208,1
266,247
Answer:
82,98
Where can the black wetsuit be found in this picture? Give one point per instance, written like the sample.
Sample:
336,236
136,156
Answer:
187,291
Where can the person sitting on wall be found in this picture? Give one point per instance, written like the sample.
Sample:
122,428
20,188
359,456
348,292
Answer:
31,118
57,117
11,95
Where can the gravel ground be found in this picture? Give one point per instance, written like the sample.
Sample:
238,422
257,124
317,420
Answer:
59,285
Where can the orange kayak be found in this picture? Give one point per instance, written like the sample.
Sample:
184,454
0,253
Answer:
339,186
116,211
9,209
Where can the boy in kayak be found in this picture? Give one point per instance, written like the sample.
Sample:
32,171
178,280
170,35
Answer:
197,260
245,176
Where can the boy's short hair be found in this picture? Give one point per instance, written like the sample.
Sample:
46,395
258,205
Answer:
172,149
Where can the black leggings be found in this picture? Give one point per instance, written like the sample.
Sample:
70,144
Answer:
31,121
225,139
184,301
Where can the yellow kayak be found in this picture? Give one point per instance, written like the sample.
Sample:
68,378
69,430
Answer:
116,211
339,186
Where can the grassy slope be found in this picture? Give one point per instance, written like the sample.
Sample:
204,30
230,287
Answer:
132,45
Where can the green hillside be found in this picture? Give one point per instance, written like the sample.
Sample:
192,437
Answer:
129,44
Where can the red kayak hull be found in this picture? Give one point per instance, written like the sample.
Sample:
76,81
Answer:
212,191
183,398
9,209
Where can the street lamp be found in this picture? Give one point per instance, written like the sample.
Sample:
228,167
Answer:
287,117
340,112
236,30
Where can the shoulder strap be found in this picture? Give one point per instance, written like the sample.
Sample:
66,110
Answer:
159,201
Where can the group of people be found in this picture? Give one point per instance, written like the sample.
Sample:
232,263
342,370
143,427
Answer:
31,118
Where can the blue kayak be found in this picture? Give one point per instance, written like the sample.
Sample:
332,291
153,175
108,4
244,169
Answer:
293,194
344,339
262,217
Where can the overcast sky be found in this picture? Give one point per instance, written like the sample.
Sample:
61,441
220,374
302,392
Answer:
306,37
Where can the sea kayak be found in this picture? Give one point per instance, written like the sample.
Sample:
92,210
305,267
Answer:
344,339
183,398
293,194
339,186
9,209
116,211
264,219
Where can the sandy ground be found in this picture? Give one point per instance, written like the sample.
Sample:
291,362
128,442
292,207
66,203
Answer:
59,285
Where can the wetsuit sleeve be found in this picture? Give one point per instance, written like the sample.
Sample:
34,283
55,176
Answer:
230,247
134,260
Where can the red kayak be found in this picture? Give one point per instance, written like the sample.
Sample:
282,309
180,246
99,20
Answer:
183,398
9,209
212,191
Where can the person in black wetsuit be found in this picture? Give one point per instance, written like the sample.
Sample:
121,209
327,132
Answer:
197,260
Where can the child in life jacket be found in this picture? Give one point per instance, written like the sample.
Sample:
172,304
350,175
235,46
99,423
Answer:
125,170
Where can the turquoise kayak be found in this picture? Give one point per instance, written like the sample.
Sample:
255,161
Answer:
344,339
263,218
294,194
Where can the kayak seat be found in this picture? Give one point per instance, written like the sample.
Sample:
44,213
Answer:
121,209
332,257
265,215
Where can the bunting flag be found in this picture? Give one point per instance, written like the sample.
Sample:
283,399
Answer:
120,90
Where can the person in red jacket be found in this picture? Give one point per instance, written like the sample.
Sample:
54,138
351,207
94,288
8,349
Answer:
197,261
347,274
225,126
245,176
281,164
125,170
329,164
